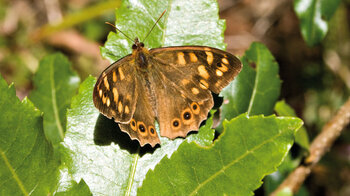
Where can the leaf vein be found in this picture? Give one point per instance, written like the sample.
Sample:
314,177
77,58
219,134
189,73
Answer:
212,177
54,103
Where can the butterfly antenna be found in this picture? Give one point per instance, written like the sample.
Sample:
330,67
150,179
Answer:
154,25
119,30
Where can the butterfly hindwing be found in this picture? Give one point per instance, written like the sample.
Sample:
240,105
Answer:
115,92
178,116
183,78
142,125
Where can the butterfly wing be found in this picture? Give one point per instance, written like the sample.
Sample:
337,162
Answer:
115,92
203,66
177,114
142,125
183,79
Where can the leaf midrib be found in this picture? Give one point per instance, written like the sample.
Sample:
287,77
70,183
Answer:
255,82
132,173
212,177
9,166
54,103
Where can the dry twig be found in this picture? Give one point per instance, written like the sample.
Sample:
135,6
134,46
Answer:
318,148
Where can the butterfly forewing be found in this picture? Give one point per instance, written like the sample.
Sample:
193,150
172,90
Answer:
115,91
210,68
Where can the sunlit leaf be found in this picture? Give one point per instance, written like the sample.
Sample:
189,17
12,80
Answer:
27,163
234,165
55,84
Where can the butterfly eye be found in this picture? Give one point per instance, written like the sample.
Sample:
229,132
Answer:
134,46
142,44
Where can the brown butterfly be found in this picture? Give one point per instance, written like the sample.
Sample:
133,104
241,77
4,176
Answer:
171,85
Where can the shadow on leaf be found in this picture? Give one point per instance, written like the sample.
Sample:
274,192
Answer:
107,131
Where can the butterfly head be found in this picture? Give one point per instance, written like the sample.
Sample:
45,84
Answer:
139,52
138,45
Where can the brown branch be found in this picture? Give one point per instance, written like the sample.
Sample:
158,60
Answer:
320,145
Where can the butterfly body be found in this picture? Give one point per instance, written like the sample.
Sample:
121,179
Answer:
170,85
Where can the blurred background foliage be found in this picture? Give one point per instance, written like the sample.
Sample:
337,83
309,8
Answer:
316,75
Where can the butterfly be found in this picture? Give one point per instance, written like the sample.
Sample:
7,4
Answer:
170,85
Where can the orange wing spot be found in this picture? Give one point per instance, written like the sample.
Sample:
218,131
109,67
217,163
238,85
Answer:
223,68
219,73
224,60
181,58
105,82
100,93
195,90
203,72
203,84
108,102
121,74
114,76
120,107
115,95
193,57
210,57
126,109
103,99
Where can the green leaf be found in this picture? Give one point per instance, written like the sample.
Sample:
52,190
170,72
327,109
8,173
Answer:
80,189
249,149
256,89
184,23
55,84
314,16
95,150
27,164
301,137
